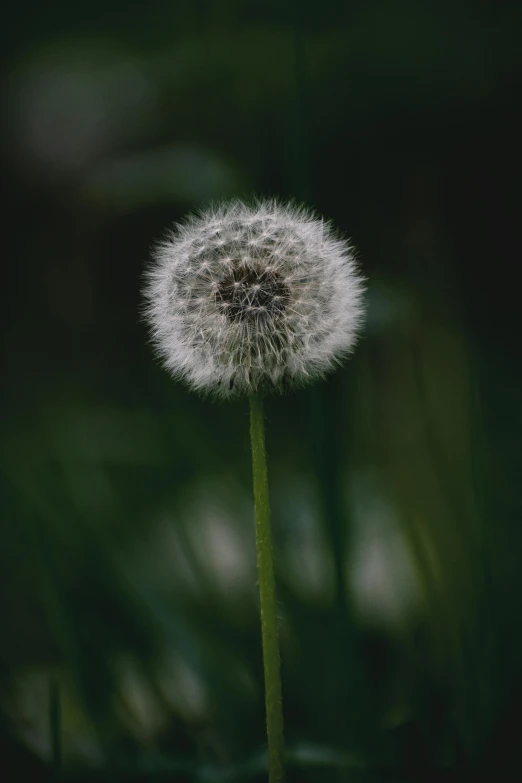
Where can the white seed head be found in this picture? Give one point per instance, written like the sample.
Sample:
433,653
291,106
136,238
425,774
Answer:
241,298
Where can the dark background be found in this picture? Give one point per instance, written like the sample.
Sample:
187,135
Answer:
130,644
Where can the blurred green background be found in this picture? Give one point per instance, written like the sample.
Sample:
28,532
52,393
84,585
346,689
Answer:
130,643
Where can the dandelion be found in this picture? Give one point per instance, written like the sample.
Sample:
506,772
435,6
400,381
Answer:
243,299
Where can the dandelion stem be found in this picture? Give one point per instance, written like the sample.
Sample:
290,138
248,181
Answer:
267,594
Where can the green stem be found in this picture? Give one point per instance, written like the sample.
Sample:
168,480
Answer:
55,726
267,594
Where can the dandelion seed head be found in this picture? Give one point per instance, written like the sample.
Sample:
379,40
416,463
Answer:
245,297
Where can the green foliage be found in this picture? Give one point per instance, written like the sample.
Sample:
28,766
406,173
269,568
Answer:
128,557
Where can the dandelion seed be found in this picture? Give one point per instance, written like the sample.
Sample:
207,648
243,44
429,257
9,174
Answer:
287,284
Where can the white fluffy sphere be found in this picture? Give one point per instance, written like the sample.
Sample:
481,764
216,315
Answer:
242,298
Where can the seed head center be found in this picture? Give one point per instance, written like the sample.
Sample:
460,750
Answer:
248,294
